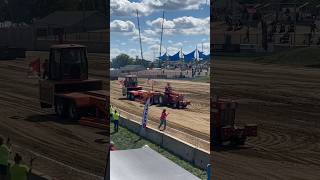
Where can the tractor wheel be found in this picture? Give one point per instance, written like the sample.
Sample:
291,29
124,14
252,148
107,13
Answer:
151,101
156,100
242,141
60,108
73,112
132,97
181,106
161,101
175,105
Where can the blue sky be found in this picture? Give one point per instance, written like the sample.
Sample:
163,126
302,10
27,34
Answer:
187,25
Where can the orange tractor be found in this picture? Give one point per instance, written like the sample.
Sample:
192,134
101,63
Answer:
133,92
68,89
224,129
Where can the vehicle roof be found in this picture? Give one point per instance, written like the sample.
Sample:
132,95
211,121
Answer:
62,46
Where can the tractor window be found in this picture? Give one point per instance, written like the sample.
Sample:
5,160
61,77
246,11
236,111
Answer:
74,64
55,64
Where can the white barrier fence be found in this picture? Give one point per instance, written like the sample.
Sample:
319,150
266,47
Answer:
191,153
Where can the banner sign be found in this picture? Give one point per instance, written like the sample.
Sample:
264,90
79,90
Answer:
145,114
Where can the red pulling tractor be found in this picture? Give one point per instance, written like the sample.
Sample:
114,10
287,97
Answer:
224,129
133,92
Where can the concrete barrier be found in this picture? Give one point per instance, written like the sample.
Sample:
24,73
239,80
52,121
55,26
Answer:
199,157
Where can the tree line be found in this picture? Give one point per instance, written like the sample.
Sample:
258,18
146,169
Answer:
124,59
26,11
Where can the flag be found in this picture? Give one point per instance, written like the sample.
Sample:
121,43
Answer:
35,66
145,114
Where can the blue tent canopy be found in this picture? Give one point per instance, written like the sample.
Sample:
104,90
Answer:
190,56
163,57
203,56
175,57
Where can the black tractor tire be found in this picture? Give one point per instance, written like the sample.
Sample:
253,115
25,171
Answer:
60,107
176,105
156,100
73,112
45,105
151,101
131,97
163,100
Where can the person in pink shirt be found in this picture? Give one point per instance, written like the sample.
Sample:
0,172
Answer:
163,120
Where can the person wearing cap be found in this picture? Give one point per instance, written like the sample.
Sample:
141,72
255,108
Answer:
4,157
18,171
116,117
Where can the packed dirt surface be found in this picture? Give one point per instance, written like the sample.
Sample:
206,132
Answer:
285,103
63,150
191,124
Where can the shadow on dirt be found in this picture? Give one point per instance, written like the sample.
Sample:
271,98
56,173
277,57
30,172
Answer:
103,133
122,98
101,141
229,148
49,117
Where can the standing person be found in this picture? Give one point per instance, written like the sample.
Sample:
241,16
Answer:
163,119
18,171
4,157
116,117
111,113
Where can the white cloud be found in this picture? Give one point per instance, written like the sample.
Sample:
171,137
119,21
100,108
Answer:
206,47
114,52
149,32
186,25
179,44
146,7
127,8
172,50
146,39
122,26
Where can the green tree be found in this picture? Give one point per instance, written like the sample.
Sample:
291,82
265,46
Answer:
121,60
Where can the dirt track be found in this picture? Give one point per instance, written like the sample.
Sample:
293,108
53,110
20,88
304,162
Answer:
192,122
285,103
63,150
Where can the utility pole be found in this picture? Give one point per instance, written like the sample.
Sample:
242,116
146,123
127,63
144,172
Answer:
139,35
161,32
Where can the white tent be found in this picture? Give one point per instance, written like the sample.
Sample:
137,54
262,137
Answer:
145,164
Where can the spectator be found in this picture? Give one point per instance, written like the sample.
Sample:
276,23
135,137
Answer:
116,117
163,120
18,171
4,157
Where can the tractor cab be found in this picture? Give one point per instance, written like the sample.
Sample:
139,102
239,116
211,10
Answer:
67,72
67,62
224,128
130,83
